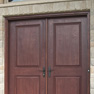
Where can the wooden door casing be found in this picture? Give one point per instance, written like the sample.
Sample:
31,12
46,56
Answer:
62,73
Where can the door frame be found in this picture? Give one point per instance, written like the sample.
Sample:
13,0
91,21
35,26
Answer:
8,19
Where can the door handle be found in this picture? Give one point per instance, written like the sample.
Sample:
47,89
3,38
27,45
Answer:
49,72
43,71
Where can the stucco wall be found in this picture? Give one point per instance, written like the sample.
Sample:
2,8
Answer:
50,6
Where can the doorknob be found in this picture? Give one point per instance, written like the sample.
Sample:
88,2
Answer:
49,71
43,71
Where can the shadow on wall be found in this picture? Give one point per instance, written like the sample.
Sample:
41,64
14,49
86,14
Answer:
15,0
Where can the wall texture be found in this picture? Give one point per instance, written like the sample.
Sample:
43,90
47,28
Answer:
47,6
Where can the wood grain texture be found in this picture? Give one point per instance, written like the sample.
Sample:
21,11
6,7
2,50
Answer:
67,85
68,54
62,73
67,43
26,57
28,45
27,85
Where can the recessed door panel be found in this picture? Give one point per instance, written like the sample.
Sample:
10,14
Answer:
27,85
67,85
28,45
67,43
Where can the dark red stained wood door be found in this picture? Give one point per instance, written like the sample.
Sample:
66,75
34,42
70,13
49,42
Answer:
68,55
57,43
27,57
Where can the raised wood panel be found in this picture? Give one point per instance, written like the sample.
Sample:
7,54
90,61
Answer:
67,85
67,42
28,41
27,85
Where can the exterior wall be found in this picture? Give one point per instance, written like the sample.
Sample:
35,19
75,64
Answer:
1,1
47,6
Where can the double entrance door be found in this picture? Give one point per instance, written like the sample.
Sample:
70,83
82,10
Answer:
48,56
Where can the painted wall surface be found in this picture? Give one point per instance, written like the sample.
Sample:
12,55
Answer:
45,6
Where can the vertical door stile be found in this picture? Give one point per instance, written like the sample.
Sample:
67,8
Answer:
46,65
